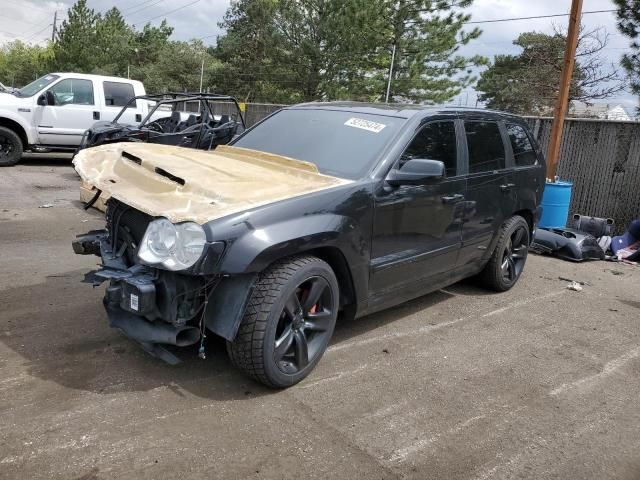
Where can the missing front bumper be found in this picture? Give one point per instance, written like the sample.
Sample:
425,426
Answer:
156,307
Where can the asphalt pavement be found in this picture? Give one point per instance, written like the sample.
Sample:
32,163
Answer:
539,382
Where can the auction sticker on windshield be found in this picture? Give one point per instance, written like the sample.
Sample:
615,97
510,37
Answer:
365,124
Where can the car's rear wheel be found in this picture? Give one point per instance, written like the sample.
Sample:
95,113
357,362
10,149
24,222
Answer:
288,321
10,147
507,261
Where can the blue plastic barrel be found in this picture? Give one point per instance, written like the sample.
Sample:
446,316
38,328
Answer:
555,204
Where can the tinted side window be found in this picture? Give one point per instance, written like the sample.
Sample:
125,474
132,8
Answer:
436,141
523,151
117,94
73,91
486,150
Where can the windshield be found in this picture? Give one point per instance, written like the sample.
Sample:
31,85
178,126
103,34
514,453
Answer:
342,144
37,85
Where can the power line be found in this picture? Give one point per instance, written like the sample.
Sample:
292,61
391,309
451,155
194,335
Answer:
30,6
170,11
535,17
136,11
38,32
28,32
135,7
21,20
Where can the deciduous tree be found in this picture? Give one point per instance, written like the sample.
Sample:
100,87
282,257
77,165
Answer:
528,83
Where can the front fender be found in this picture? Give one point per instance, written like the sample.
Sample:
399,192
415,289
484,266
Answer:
29,130
257,248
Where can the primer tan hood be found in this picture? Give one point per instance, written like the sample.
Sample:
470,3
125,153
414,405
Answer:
149,177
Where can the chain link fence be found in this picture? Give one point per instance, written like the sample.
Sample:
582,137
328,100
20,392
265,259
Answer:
602,159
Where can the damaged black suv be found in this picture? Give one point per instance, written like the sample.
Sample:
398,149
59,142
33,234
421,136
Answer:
320,209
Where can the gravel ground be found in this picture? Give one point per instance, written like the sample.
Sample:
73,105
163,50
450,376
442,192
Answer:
539,382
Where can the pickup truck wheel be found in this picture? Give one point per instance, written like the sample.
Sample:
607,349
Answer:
10,147
508,259
288,321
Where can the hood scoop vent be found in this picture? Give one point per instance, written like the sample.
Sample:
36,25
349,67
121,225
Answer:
170,176
133,158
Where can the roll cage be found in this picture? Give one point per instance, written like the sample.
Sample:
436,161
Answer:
175,98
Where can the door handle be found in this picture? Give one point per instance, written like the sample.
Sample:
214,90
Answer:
507,187
96,115
452,198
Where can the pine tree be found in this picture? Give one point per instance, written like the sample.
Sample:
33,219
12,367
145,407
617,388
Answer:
75,47
114,44
427,35
341,49
629,24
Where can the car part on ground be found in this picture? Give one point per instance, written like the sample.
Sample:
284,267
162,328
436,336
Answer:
568,244
598,227
298,228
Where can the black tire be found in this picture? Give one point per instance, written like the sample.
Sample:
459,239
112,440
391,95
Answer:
282,324
507,260
10,147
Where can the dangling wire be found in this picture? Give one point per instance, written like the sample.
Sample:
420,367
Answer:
201,351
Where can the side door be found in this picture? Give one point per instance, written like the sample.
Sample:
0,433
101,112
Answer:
116,96
416,229
72,112
528,168
490,195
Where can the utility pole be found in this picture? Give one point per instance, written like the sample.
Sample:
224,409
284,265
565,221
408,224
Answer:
393,57
201,73
53,31
565,83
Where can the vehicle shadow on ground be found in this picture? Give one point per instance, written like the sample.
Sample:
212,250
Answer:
60,329
46,160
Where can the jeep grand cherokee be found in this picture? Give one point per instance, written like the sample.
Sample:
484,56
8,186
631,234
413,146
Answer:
321,208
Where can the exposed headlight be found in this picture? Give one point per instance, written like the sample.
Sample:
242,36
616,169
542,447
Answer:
172,246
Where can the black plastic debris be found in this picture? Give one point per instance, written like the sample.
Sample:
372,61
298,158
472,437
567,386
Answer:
568,244
598,227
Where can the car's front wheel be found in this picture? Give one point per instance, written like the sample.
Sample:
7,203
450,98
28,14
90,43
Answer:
288,321
10,147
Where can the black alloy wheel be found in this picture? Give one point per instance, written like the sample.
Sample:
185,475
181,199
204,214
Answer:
515,254
305,325
288,321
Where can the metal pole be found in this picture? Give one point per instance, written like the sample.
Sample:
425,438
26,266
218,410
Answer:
53,31
393,57
565,83
201,73
128,71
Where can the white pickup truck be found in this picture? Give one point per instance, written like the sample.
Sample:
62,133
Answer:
53,112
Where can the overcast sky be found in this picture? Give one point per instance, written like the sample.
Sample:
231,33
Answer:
31,20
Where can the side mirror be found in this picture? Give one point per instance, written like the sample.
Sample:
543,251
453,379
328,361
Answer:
51,100
416,172
42,100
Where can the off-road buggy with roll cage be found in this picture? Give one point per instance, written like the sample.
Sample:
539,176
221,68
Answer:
191,120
